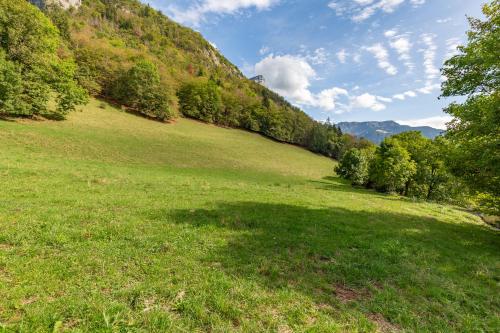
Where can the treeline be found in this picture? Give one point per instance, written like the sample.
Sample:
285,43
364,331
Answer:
132,55
205,100
463,166
407,164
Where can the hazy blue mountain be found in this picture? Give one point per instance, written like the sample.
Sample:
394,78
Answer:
376,131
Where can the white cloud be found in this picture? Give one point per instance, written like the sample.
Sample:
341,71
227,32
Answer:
318,57
289,76
429,88
429,56
327,98
364,2
417,3
387,6
264,50
342,56
403,47
361,10
436,122
390,33
196,13
406,94
384,99
451,47
367,101
443,20
382,56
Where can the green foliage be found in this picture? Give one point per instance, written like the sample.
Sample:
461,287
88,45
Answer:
140,88
324,139
432,178
407,163
392,167
32,48
474,133
11,87
201,100
355,165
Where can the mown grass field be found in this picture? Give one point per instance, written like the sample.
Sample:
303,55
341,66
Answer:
113,223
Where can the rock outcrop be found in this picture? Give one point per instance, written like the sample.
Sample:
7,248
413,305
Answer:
64,3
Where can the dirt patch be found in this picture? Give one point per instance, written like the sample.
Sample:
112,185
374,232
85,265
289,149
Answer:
346,294
383,325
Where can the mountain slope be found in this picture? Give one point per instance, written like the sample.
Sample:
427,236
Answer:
113,223
117,42
376,131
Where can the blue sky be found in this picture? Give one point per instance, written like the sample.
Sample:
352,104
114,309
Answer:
349,60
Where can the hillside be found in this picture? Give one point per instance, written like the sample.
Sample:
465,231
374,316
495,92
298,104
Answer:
134,56
376,131
110,222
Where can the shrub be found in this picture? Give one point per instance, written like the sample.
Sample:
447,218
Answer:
355,165
200,100
140,89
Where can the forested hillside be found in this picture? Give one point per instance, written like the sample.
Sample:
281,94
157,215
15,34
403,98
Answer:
133,55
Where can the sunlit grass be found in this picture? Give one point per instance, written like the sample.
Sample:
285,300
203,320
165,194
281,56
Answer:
110,222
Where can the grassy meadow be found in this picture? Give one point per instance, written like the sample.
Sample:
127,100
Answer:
113,223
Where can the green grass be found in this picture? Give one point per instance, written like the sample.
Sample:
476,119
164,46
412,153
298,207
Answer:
113,223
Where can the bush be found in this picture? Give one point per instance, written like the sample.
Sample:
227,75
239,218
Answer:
140,89
201,100
355,166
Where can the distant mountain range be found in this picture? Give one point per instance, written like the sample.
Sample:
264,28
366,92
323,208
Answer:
376,131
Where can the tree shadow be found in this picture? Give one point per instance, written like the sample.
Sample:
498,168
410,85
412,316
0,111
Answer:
315,251
335,183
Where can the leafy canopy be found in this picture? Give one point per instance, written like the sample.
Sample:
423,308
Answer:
475,130
34,64
140,88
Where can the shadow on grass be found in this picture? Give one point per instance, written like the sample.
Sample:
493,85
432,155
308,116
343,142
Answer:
337,184
313,251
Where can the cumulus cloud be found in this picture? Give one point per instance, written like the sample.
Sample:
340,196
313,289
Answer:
291,76
380,53
367,101
196,13
327,99
436,122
